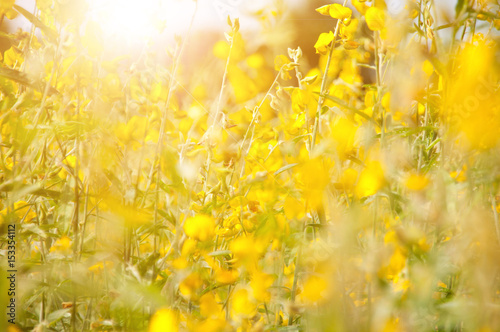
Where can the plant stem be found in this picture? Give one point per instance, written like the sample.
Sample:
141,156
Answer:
252,123
223,84
495,215
378,69
321,98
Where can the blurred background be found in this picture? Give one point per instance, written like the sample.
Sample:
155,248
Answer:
128,25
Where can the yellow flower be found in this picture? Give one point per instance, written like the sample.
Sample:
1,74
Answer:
360,6
461,175
242,248
260,284
13,328
209,306
22,210
6,9
256,61
200,227
344,134
134,130
335,10
371,180
190,286
13,57
293,208
226,276
392,325
314,289
164,320
314,176
281,62
396,264
348,178
242,305
62,245
386,101
375,18
100,266
323,42
212,325
417,182
324,10
340,12
428,68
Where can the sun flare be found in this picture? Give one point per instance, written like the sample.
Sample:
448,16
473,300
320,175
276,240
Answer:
139,20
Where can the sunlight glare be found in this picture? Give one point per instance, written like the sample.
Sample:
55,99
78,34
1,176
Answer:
138,20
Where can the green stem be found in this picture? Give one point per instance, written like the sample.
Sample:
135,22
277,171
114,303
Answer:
321,98
495,215
252,122
379,84
224,78
295,282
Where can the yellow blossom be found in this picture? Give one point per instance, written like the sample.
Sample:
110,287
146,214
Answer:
7,10
339,12
62,245
21,209
375,18
315,289
100,266
293,208
226,276
164,320
260,284
335,11
314,177
191,285
209,306
417,182
371,180
242,304
323,42
200,227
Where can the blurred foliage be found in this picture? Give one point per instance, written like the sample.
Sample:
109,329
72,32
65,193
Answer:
246,188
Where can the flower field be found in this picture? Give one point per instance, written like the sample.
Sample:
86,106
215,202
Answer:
242,181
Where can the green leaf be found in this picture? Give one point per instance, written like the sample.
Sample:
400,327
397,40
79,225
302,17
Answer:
460,6
7,36
436,141
309,79
7,88
36,22
285,168
356,160
20,188
439,66
57,315
445,26
298,138
16,76
25,79
343,104
420,32
369,87
220,253
32,229
337,111
367,66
